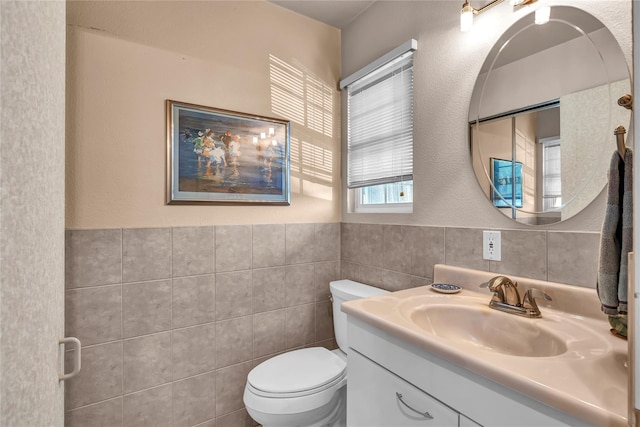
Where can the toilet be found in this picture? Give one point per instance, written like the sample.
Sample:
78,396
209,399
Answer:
307,387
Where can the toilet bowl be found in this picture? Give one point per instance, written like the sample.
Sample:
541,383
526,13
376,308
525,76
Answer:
298,388
306,387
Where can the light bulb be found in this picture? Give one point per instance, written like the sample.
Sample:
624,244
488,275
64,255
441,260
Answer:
274,142
466,18
542,15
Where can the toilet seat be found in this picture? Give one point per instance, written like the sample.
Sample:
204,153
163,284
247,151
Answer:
298,393
296,381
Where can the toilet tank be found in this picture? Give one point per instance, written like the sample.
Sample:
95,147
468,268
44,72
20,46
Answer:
347,290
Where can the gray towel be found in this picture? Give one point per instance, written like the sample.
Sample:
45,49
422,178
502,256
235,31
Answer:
617,236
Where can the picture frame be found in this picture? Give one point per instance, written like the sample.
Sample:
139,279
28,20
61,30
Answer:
502,187
217,156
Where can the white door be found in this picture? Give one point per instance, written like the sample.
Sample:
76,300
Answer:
32,147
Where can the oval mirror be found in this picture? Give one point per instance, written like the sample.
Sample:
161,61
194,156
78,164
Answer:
542,116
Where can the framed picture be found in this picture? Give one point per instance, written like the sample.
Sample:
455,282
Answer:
507,183
220,156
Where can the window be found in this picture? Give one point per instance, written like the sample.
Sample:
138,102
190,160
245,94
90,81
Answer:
395,197
551,174
380,133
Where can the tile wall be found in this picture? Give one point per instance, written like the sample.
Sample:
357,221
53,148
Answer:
172,319
397,257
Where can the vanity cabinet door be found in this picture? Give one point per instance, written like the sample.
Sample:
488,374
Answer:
378,398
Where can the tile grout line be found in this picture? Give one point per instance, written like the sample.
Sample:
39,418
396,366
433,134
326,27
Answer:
171,324
546,253
213,261
96,403
122,317
444,245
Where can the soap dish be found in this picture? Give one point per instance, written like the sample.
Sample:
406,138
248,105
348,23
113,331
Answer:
445,288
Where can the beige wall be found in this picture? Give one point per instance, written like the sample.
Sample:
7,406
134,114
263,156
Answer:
446,65
124,59
526,153
496,142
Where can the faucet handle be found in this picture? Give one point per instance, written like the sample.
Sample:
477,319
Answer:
495,283
529,300
533,293
498,293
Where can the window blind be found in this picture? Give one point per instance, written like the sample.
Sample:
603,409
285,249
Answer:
552,182
380,125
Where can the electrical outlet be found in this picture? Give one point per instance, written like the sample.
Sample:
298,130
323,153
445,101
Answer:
491,248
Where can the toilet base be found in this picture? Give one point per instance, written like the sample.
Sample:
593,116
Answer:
333,414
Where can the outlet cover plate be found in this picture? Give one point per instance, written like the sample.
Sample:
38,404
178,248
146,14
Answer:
491,245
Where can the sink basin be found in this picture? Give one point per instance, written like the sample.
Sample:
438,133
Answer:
488,329
466,324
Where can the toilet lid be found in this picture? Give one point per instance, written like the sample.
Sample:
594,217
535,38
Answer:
297,371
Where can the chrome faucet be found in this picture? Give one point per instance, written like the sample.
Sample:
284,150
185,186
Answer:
507,298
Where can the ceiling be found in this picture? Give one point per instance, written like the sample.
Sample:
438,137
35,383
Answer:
567,23
340,13
337,13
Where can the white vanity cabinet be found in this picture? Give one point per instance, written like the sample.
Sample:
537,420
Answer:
381,365
378,397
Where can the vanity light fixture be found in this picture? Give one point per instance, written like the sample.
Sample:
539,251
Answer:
466,17
467,13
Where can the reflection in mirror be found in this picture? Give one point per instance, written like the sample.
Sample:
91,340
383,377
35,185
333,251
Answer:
542,116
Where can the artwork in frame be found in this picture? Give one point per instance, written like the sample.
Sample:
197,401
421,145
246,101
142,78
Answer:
503,174
221,156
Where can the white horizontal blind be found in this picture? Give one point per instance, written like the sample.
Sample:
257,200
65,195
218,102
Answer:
380,125
552,182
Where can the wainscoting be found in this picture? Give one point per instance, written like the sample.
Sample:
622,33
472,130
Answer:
173,319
